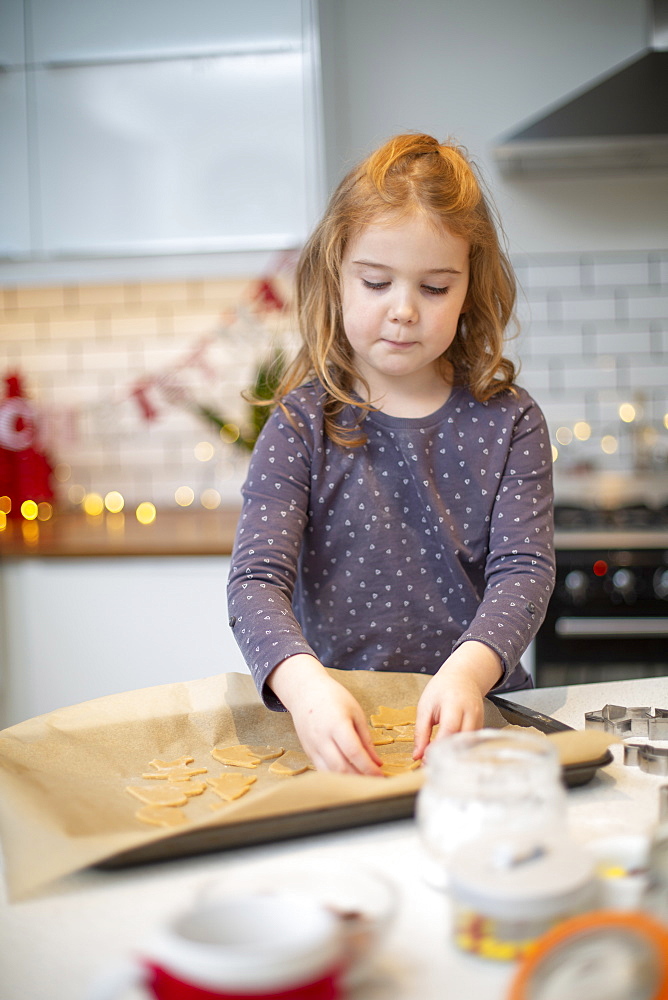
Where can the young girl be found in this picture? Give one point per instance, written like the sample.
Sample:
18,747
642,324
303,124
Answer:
397,513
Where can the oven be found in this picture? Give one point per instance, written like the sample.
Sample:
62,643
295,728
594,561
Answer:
608,616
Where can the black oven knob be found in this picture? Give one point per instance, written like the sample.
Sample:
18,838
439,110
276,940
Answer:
624,583
660,582
576,585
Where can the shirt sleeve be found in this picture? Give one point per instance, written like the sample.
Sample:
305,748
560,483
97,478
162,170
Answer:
265,556
520,566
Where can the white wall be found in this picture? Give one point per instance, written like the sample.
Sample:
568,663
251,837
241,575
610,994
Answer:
475,70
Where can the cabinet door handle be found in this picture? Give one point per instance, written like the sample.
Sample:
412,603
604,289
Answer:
231,52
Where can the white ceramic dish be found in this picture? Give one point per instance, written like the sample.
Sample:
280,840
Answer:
364,900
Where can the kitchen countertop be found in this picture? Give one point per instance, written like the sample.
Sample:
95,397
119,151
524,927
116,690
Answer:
186,532
55,943
175,532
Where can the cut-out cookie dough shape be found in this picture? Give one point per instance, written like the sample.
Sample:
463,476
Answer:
159,796
161,815
231,786
191,788
175,773
399,763
387,718
404,734
381,737
292,762
167,765
242,755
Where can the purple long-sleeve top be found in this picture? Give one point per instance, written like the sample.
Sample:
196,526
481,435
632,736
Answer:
388,556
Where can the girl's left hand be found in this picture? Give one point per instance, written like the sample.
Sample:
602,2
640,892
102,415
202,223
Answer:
453,698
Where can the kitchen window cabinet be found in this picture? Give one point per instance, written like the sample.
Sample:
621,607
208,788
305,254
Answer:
156,129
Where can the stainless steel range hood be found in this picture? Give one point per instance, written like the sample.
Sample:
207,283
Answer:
618,122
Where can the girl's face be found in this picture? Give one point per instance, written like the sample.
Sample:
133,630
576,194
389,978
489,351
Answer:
403,288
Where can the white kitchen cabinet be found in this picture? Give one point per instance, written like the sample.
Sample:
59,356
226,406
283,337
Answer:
155,128
174,155
14,196
96,30
76,629
15,238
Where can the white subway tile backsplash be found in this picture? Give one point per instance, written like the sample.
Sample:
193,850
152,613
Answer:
623,342
594,334
620,273
648,307
645,376
566,275
583,308
545,344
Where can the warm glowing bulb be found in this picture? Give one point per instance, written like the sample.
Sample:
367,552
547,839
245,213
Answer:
44,511
609,444
229,433
627,413
204,451
564,435
582,430
555,453
114,502
184,496
5,505
210,499
62,472
146,513
93,504
29,510
3,520
76,494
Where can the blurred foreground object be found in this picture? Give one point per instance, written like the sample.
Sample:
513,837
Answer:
603,955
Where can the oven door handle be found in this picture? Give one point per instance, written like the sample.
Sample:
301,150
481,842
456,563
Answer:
596,628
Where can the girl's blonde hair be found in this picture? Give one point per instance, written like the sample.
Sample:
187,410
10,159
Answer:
410,173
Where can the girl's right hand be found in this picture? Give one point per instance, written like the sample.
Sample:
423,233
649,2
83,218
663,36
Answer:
330,723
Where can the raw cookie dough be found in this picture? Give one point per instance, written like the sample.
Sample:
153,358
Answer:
176,773
399,763
167,765
161,815
292,762
231,786
381,737
161,796
191,788
266,753
242,755
388,718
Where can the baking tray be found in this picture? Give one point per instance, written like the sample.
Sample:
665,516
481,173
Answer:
519,715
316,821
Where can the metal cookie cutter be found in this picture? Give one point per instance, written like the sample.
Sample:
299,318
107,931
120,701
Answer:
653,760
641,722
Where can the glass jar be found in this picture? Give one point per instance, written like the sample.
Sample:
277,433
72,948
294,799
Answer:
509,890
487,782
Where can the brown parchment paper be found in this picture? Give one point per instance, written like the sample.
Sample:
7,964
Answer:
63,804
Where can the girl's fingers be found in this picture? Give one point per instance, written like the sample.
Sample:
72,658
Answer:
357,756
